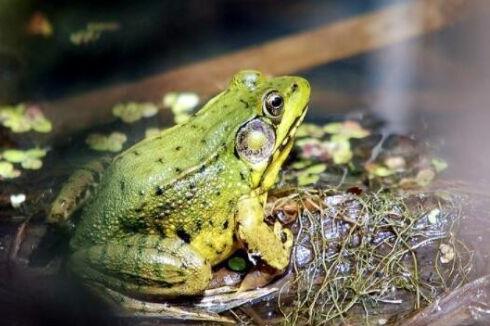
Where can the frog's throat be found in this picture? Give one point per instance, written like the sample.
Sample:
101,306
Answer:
280,155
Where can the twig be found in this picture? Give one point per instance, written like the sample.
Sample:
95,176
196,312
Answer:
289,54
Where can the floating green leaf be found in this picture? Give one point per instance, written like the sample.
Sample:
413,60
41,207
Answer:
152,132
339,147
433,215
310,130
32,164
14,155
439,164
133,111
110,143
181,104
237,264
92,32
378,170
425,177
348,129
20,119
28,159
7,170
311,175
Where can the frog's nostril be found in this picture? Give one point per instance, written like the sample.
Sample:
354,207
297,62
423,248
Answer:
294,87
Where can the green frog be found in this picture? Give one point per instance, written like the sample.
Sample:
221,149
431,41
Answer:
169,208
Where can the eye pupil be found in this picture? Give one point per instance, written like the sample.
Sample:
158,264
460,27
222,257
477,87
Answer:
276,101
273,104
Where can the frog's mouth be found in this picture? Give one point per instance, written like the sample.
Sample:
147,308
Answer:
280,154
291,132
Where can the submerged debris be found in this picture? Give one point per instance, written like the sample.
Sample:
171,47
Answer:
40,25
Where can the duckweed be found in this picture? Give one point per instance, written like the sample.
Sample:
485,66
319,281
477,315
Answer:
7,170
133,111
182,105
106,143
22,118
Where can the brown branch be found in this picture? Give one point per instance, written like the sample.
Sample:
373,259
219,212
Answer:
289,54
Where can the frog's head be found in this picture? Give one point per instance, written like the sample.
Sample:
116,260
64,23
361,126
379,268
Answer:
279,105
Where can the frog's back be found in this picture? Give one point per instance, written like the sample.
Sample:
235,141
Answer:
151,166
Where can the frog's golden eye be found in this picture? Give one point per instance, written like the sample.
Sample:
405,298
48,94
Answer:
273,104
255,141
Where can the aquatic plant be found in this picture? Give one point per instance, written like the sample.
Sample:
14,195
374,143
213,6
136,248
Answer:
182,104
134,111
355,254
106,143
92,32
22,118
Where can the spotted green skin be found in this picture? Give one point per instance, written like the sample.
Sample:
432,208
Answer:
172,206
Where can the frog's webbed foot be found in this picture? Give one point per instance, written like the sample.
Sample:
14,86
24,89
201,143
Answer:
76,191
143,266
273,245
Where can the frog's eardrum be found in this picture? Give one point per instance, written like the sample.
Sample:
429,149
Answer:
255,141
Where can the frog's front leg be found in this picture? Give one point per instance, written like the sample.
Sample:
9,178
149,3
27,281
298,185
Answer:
272,244
143,266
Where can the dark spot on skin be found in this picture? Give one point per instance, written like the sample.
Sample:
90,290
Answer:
201,169
181,233
122,185
225,225
203,141
294,88
178,148
198,226
136,153
242,176
178,170
192,185
160,160
211,223
159,191
193,126
219,252
218,193
244,103
225,106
